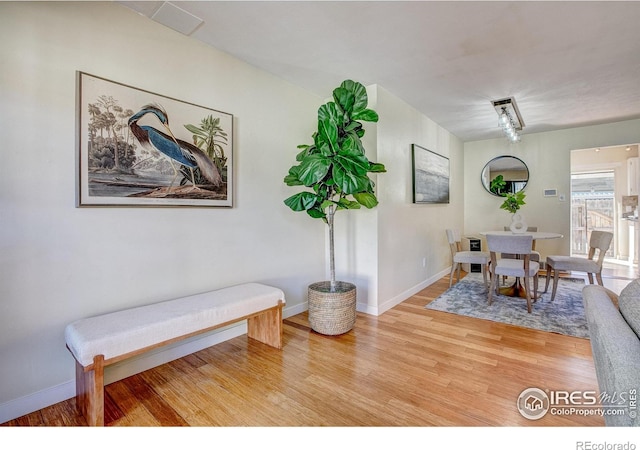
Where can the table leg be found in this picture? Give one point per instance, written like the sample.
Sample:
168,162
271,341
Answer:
517,290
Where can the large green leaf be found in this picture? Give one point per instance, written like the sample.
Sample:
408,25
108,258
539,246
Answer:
313,168
352,161
366,199
350,182
316,213
355,143
349,143
300,156
352,126
348,204
368,115
301,201
345,99
322,145
376,167
292,179
359,93
328,121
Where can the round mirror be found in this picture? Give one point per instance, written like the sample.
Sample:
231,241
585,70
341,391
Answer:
505,174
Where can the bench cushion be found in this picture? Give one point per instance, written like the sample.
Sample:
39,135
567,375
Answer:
129,330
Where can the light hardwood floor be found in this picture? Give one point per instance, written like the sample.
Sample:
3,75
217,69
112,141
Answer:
616,275
408,367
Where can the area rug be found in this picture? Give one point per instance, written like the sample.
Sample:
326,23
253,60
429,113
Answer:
565,315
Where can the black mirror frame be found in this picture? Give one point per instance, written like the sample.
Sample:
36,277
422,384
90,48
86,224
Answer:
488,188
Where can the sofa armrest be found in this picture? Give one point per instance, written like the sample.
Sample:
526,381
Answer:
616,351
612,296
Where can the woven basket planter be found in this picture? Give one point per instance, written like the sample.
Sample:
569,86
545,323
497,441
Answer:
332,312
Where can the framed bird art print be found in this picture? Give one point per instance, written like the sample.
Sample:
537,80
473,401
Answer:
138,148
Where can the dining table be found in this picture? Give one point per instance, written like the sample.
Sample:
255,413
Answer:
516,289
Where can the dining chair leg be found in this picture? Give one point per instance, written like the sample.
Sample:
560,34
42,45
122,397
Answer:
556,276
527,291
535,288
492,287
453,269
599,278
548,276
459,269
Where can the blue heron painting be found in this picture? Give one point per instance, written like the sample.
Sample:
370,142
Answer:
177,150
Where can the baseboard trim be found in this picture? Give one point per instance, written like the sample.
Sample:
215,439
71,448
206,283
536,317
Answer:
411,291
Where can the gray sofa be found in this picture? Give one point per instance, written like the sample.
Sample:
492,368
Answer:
614,330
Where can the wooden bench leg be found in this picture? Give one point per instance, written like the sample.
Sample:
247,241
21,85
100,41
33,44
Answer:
90,391
267,327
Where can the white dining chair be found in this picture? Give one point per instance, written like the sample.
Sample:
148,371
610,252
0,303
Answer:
459,256
599,243
522,267
535,256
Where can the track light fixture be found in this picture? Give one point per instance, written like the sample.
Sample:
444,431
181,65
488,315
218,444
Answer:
509,118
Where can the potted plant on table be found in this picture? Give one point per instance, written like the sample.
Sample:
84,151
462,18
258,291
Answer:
336,170
512,203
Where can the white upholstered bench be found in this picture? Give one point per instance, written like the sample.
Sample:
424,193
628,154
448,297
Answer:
99,341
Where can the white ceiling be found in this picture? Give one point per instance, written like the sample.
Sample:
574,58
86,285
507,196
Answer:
567,64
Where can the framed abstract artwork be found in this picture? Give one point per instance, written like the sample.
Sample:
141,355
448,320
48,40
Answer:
430,176
138,148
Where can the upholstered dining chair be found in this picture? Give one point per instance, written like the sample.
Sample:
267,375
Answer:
535,256
521,268
599,243
459,256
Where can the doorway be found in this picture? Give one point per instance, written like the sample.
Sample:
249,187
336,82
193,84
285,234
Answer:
592,208
601,181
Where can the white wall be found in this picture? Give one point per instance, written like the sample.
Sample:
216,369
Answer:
409,233
548,157
59,263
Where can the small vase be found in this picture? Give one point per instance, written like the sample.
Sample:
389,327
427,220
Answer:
518,225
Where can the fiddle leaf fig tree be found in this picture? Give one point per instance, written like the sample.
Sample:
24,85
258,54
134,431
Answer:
335,167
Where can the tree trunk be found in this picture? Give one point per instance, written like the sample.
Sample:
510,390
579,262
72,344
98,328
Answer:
332,262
